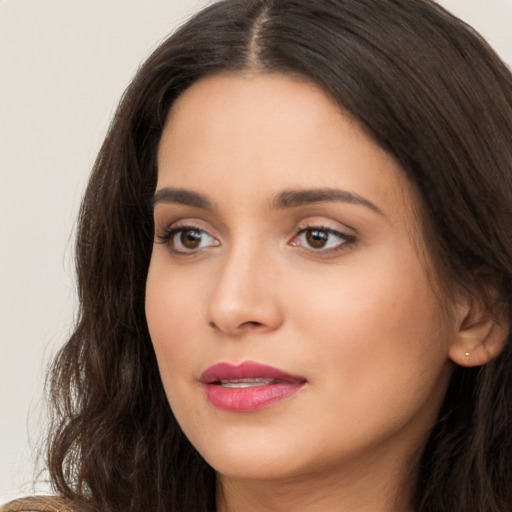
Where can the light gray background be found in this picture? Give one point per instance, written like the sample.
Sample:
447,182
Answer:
63,67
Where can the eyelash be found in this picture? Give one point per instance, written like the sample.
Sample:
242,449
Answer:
346,241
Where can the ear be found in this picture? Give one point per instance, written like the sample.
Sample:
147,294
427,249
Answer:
482,332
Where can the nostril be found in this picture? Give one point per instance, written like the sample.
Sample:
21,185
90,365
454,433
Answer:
251,324
245,325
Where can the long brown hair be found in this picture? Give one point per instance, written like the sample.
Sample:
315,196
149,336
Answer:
432,93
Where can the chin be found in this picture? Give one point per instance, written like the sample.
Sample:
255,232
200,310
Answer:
251,457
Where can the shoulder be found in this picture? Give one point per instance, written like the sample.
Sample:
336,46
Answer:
40,504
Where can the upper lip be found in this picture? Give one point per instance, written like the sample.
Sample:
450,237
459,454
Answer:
246,370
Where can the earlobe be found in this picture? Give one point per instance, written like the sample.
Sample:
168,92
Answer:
481,336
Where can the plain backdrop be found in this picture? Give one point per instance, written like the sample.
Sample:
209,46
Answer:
63,67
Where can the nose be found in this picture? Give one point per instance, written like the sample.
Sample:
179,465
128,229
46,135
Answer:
244,298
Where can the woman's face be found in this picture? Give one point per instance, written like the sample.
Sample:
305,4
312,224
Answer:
290,308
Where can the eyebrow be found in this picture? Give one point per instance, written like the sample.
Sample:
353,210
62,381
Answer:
286,199
181,196
294,198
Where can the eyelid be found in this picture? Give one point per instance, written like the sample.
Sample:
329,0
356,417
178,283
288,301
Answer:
166,224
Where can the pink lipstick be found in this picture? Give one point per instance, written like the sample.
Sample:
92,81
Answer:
249,386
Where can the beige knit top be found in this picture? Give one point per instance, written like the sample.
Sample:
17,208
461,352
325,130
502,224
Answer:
39,504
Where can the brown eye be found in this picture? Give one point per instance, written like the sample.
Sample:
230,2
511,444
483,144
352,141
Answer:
190,238
187,239
316,238
322,240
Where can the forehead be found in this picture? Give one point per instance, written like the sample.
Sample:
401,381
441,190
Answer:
246,133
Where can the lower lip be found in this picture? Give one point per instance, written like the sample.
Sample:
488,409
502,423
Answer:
250,399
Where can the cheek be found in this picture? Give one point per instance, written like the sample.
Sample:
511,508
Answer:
172,314
376,326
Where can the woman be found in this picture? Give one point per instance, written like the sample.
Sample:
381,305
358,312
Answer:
294,263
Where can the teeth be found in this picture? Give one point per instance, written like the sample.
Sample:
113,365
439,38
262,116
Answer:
245,383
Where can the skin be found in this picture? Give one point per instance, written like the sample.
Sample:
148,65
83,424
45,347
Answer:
358,318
